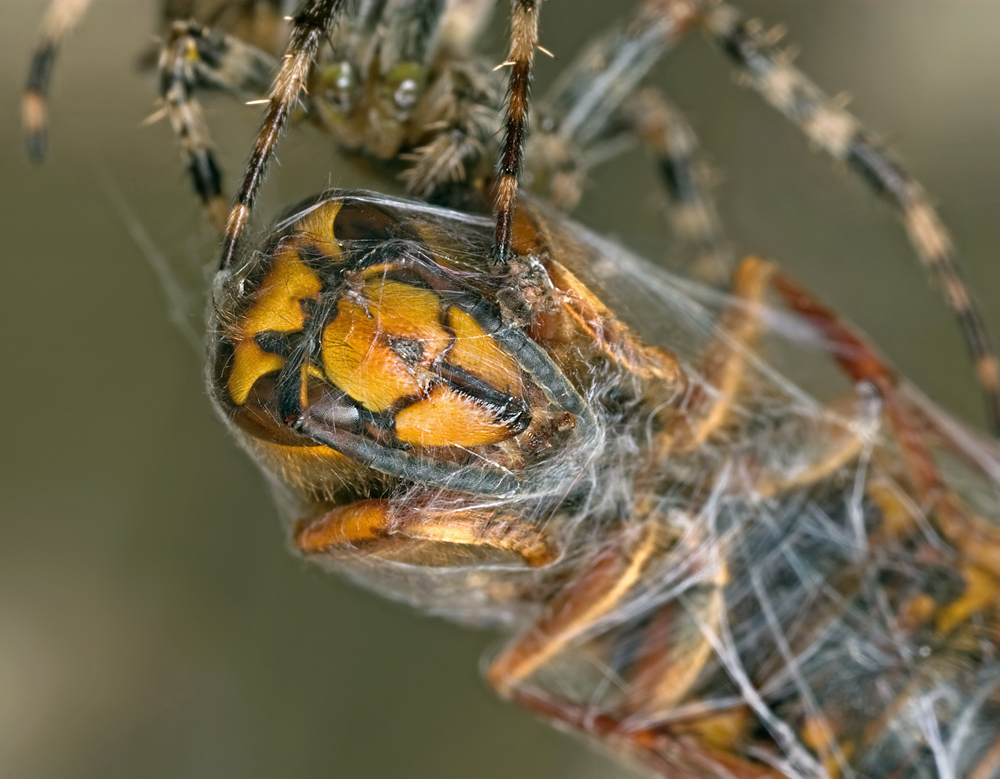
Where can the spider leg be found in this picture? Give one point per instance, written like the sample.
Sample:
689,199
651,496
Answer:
662,128
582,104
60,19
523,42
594,109
842,137
310,28
977,540
196,57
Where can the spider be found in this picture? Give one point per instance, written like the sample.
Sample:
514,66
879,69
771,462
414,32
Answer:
397,81
610,595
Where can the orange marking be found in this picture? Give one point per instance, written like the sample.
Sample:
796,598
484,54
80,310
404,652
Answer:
356,345
448,418
276,308
476,352
359,521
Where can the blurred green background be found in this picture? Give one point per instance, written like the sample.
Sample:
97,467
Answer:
152,623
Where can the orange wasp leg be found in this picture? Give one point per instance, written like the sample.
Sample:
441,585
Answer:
989,766
722,366
972,536
371,522
611,575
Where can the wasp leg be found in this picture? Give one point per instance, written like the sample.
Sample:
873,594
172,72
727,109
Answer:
608,579
971,535
196,57
842,446
691,209
667,754
371,522
989,766
722,366
839,134
60,19
611,335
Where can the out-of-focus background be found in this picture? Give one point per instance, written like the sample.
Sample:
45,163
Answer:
152,623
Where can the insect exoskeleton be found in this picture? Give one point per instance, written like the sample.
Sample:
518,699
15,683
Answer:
362,355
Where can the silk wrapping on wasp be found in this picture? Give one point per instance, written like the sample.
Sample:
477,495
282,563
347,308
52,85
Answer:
726,539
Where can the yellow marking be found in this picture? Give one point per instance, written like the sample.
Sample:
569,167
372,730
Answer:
818,734
250,362
479,354
980,594
448,418
356,345
317,226
277,307
897,516
719,730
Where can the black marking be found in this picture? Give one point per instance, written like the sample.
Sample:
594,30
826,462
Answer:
404,465
312,256
409,350
360,220
883,174
679,179
205,175
40,71
512,412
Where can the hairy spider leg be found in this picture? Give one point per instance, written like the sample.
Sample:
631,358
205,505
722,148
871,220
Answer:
195,57
839,134
597,106
523,42
60,19
310,28
686,178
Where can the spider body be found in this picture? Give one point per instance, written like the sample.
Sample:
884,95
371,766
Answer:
727,538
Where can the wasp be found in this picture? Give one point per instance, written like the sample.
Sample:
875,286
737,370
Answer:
713,566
